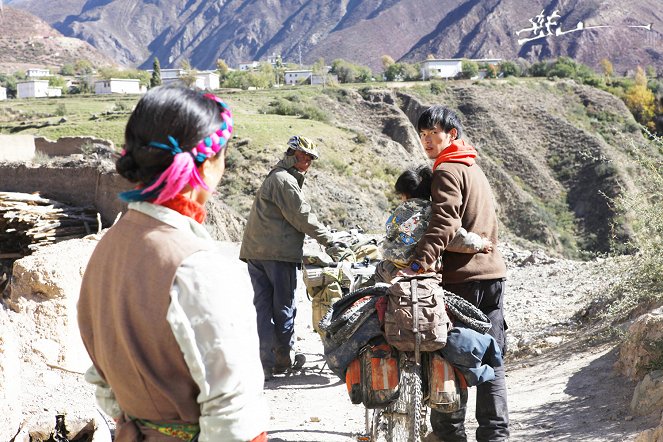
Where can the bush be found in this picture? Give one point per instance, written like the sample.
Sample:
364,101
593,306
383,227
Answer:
644,280
437,87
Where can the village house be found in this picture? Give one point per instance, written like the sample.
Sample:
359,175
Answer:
118,86
449,67
441,68
247,66
3,93
208,80
170,75
298,76
37,73
36,89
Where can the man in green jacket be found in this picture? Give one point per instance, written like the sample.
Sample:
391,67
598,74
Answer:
272,247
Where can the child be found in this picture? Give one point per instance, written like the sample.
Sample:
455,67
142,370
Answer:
171,334
410,219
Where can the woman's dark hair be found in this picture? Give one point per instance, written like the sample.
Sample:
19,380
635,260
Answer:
445,117
164,111
415,182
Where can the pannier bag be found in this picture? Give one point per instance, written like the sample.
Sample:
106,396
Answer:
431,320
372,378
445,385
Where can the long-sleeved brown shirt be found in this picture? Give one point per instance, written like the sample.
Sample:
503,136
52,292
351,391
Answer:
462,197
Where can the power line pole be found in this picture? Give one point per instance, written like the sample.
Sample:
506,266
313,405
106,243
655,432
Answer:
299,47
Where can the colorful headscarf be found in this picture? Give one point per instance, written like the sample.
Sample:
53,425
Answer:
183,169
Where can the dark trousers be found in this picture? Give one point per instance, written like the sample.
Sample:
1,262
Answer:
492,412
274,284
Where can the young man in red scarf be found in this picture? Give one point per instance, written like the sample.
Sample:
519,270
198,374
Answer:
462,197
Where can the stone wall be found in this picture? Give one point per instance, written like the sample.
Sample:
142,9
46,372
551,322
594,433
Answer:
77,185
71,145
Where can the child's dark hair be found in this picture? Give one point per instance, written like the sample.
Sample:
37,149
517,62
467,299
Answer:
415,182
169,121
445,117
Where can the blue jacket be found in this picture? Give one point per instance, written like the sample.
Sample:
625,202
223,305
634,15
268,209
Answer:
473,353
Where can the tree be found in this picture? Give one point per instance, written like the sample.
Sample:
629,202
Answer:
640,100
83,67
155,80
510,69
222,68
320,68
58,82
606,67
386,61
469,68
189,75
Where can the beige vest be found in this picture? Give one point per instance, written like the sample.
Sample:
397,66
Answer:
122,317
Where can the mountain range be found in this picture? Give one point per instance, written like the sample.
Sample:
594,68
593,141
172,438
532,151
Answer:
133,32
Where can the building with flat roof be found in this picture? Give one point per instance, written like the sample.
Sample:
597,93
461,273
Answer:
117,86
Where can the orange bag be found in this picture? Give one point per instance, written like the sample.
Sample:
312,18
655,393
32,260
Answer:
372,379
445,385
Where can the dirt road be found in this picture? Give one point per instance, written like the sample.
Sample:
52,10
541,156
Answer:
559,389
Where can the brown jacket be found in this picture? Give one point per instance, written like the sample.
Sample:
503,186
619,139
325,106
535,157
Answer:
462,197
122,308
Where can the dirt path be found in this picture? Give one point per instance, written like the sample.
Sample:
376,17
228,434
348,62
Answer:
559,390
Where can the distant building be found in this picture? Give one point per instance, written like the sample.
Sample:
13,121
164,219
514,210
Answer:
247,66
117,86
298,76
450,67
272,59
208,80
36,73
3,93
36,89
170,75
324,79
442,68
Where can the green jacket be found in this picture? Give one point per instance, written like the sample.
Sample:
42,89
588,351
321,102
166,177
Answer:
280,217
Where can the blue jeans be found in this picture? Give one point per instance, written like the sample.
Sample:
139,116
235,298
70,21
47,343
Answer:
274,284
492,412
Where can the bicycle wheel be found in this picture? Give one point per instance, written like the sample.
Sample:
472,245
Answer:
376,425
406,417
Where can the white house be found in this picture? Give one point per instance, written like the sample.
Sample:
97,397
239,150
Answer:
35,73
36,89
170,75
117,86
325,79
298,76
441,68
3,93
208,80
247,66
450,67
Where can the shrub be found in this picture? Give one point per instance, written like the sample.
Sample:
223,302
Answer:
437,87
644,279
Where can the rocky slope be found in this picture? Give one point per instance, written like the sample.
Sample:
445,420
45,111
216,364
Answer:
360,31
27,41
556,153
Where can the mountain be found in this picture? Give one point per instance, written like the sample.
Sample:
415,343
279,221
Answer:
28,41
361,31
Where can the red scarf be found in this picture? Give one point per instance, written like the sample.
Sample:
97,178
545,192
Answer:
457,152
186,207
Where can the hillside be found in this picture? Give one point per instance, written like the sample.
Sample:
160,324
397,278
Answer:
27,41
555,152
134,32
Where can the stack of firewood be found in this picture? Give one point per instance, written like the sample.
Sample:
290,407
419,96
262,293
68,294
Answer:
28,221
